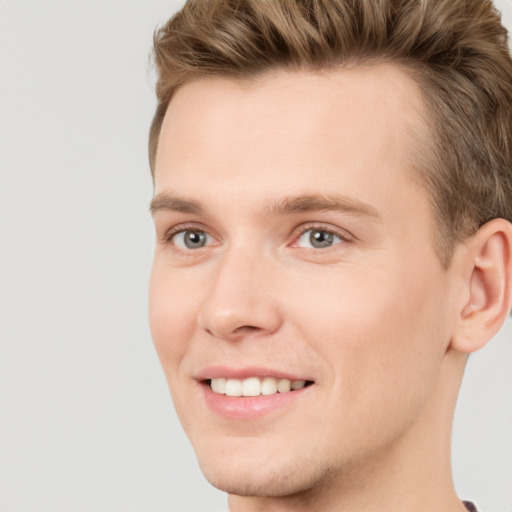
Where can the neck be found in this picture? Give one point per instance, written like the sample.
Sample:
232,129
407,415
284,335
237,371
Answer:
414,473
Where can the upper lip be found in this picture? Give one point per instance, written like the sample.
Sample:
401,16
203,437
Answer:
230,372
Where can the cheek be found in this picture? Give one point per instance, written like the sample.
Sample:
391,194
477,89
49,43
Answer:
387,311
172,313
381,335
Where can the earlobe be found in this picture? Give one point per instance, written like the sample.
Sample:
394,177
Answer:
489,286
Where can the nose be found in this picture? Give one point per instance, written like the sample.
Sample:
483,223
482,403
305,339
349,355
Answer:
242,300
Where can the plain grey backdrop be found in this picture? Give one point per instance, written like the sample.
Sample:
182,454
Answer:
86,422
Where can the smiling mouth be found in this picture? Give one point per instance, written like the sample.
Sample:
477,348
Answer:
255,386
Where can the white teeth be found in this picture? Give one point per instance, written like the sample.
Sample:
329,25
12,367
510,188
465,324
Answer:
268,386
233,387
253,386
284,385
219,386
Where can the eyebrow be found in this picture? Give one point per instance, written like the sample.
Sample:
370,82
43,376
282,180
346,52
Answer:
285,206
309,203
165,202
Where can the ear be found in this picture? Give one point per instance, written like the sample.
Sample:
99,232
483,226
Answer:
488,286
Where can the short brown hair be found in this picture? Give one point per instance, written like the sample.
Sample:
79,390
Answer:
455,50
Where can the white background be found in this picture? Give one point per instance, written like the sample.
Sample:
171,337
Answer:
86,422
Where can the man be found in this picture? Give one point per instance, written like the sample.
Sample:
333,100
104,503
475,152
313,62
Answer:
333,207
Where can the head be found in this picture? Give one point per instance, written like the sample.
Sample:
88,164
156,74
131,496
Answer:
333,182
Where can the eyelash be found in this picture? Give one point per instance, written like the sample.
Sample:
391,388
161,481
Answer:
343,235
171,233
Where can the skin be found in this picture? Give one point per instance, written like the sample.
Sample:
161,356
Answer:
371,319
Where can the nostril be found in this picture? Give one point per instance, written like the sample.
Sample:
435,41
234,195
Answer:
246,328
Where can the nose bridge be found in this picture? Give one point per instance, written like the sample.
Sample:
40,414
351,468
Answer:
240,299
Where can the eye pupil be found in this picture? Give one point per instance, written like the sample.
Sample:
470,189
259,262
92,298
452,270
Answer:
194,239
320,238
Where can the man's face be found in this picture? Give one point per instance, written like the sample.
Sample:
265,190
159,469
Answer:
294,243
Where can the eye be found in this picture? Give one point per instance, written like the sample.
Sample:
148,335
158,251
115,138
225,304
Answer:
318,239
191,239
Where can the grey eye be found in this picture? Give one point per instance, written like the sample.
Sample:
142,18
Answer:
191,239
318,239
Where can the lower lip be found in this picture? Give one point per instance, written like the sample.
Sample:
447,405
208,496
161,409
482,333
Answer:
249,407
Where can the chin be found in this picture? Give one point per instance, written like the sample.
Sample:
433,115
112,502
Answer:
274,476
255,483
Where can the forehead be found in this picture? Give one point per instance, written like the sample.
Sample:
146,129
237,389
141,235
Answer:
292,131
372,106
